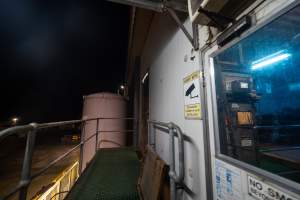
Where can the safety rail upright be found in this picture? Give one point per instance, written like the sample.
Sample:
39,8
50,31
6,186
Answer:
31,130
176,179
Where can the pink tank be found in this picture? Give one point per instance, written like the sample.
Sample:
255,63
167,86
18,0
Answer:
110,135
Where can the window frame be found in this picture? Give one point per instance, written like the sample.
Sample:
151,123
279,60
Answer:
266,175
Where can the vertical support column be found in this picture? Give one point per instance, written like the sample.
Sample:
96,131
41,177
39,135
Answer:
137,101
97,132
172,164
153,133
81,146
149,133
135,132
26,169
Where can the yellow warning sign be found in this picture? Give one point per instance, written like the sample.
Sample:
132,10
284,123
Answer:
191,77
193,111
192,100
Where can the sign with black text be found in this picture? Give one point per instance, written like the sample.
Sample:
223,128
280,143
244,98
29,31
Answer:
263,191
191,92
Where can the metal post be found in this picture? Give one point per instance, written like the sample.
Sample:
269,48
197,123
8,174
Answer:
149,133
172,164
96,142
26,169
154,138
81,146
135,133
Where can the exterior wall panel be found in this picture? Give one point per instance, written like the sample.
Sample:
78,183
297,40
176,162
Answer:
165,53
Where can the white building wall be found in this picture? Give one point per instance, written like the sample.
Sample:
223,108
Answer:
167,55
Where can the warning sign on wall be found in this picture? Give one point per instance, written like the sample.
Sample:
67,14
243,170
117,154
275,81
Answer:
261,191
191,92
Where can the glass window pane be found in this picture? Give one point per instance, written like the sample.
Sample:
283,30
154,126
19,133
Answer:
258,97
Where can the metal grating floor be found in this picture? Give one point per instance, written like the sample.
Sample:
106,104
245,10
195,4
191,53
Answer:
113,174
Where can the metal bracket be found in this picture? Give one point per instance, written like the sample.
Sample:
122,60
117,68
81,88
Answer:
166,6
156,6
192,38
219,20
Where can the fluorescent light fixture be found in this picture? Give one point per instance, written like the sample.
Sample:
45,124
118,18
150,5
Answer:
294,86
271,59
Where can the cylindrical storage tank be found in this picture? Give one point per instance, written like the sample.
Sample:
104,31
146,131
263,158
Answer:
111,108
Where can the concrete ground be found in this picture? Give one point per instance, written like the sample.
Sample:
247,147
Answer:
11,163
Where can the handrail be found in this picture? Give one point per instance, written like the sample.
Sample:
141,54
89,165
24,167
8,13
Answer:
37,126
30,130
17,129
180,136
174,177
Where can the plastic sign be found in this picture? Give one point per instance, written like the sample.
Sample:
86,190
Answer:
191,92
263,191
228,181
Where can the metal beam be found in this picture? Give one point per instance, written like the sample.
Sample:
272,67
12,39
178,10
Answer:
193,39
146,4
219,20
182,7
169,7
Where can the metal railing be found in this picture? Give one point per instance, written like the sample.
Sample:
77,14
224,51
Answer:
176,179
31,131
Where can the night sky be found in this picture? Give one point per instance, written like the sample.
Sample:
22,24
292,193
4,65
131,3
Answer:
55,51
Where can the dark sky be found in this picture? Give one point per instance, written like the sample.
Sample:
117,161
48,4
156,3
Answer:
55,51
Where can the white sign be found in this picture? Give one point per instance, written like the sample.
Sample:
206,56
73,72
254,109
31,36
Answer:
191,93
263,191
228,182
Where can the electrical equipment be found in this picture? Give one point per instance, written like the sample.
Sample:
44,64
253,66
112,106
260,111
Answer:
240,86
234,31
239,111
244,118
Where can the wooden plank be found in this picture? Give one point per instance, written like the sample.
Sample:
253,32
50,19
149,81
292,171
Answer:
152,179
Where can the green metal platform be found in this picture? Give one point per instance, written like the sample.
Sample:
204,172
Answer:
113,174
